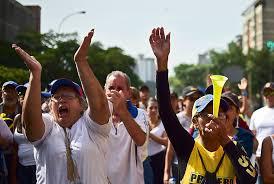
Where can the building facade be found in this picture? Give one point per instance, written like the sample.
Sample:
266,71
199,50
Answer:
258,25
145,69
16,18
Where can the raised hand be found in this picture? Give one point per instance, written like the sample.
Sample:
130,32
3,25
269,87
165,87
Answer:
243,85
82,52
217,127
33,65
160,44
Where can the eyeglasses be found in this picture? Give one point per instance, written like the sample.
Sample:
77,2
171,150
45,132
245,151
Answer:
269,93
64,96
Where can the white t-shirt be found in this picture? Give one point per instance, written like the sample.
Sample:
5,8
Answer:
262,121
154,147
25,149
5,132
88,147
122,164
184,120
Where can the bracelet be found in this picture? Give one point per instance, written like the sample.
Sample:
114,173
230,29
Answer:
244,93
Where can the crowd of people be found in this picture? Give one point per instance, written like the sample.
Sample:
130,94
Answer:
117,133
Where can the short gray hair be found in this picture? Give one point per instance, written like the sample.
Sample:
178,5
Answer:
118,73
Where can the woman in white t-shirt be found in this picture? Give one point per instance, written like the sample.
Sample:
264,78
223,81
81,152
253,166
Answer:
267,160
25,165
157,142
70,142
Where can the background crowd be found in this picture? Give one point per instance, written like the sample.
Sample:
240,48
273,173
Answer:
55,136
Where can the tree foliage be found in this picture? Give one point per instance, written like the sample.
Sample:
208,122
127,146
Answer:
55,53
14,74
257,66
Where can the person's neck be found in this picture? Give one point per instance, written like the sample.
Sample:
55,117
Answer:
209,144
154,121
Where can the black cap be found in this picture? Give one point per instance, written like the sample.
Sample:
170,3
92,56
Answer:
231,97
190,90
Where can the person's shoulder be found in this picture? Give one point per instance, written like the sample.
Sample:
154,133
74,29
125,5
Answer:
141,110
242,131
47,118
179,114
243,135
268,139
258,112
141,114
267,142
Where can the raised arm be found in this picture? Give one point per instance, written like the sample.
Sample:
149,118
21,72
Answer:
136,132
244,109
182,142
97,101
32,114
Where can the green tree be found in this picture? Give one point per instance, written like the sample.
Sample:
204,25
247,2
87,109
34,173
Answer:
15,74
55,53
189,74
260,69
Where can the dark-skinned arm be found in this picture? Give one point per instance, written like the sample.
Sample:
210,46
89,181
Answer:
182,142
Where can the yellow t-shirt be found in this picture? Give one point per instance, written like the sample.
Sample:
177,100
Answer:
195,172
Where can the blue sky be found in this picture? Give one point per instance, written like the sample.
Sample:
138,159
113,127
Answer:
195,25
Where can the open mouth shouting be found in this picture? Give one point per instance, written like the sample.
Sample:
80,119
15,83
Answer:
63,111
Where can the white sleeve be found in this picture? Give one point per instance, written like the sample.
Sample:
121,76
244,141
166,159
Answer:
5,132
48,121
252,121
142,120
97,128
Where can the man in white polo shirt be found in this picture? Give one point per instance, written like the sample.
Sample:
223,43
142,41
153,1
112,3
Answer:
127,139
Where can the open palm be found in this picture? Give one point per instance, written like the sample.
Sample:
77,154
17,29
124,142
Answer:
82,52
30,61
243,84
160,43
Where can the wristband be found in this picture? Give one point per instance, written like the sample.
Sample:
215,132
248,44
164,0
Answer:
244,93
